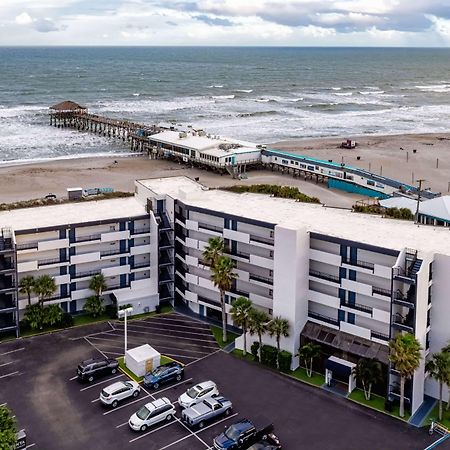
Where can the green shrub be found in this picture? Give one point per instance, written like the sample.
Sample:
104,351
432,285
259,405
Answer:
94,306
35,316
269,356
285,359
254,349
66,320
275,190
52,315
111,311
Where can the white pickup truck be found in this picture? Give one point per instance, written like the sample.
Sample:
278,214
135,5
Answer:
205,411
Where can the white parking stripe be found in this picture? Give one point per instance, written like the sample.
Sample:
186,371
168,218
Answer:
166,335
219,421
172,386
93,334
207,356
122,424
126,404
30,445
169,328
176,442
95,400
93,345
184,319
12,351
153,431
10,374
173,355
73,378
114,353
7,364
101,382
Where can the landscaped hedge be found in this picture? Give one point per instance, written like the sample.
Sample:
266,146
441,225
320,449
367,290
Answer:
269,356
275,190
396,213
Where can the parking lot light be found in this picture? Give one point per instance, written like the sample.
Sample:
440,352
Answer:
124,313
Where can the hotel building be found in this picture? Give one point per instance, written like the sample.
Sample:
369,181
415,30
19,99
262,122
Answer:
347,281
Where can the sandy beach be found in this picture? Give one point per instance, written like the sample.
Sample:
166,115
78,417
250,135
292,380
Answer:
392,156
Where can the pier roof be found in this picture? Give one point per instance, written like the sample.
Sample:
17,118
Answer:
67,105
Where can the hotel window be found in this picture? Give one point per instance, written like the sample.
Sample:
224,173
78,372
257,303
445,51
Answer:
112,228
271,234
430,276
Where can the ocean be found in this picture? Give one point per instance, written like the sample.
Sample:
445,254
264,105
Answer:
258,94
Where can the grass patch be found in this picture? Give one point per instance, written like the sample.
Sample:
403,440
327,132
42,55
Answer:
164,310
434,414
240,354
121,359
86,319
217,332
377,402
300,374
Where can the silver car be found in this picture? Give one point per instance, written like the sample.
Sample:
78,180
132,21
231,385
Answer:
114,393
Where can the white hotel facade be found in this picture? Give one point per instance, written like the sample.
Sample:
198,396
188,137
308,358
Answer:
347,281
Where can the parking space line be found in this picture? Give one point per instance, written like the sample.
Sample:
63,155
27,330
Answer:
122,424
100,382
176,442
93,334
12,351
174,355
219,421
207,356
165,335
172,328
95,400
93,345
30,445
73,378
170,319
10,374
153,431
7,364
114,353
126,404
191,432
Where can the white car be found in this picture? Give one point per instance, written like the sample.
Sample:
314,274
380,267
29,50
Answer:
198,393
151,413
116,392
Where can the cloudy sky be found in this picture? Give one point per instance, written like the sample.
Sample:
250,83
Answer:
226,22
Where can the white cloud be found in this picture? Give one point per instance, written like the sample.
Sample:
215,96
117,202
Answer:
24,19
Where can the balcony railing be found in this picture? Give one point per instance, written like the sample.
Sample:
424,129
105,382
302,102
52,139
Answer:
89,273
47,262
58,297
325,276
90,237
27,246
358,307
140,230
208,301
117,286
240,255
381,336
261,279
261,239
358,263
140,265
403,323
405,300
113,252
323,318
381,291
207,226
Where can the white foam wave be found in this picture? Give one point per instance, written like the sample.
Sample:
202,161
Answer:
262,100
245,91
336,88
371,92
217,86
223,97
344,94
438,88
136,94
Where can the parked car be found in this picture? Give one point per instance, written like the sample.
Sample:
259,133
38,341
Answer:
21,440
151,413
201,413
94,368
165,373
270,443
114,393
198,393
241,435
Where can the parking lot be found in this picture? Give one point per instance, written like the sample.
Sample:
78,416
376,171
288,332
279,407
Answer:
60,413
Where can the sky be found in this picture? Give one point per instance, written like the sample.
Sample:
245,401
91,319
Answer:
404,23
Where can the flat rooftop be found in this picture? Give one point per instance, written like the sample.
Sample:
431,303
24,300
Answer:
344,224
66,213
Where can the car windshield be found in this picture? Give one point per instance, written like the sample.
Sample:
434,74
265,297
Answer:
143,413
193,392
232,433
157,372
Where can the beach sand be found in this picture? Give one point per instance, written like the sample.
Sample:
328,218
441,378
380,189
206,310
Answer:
35,180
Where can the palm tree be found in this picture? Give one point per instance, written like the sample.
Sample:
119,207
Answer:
368,372
26,286
98,285
405,356
278,327
213,251
308,353
240,312
258,325
439,369
222,276
44,287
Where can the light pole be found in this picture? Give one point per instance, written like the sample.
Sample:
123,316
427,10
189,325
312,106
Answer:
418,199
124,313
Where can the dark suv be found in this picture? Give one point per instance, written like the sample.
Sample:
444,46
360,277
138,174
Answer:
172,371
94,368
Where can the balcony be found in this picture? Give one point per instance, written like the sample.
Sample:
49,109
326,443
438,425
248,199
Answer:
144,230
48,262
165,261
208,227
323,318
27,246
208,301
89,237
404,300
117,286
117,251
325,276
403,276
7,302
89,273
261,240
140,265
6,265
165,243
165,276
239,255
58,297
358,263
380,336
240,293
381,291
260,279
165,294
403,323
358,307
6,284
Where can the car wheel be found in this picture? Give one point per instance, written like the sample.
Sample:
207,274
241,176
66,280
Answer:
144,427
113,371
179,377
169,417
91,379
135,393
155,385
201,424
114,403
228,412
